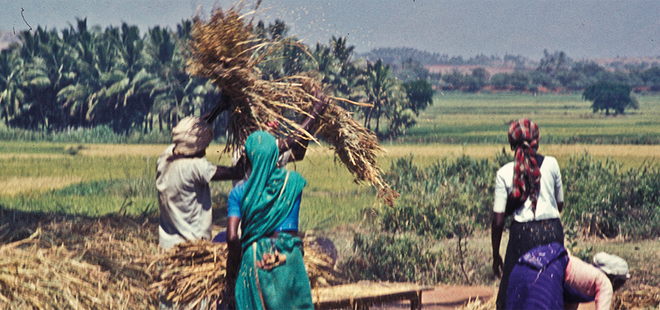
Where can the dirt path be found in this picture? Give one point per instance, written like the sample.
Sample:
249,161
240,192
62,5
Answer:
451,297
445,298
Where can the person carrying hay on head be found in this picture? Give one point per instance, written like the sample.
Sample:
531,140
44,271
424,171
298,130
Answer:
272,273
585,282
182,178
530,189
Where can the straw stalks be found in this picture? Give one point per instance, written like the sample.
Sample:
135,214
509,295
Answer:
75,263
643,297
225,50
194,273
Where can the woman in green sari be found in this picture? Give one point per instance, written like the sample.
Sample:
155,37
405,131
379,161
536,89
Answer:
272,272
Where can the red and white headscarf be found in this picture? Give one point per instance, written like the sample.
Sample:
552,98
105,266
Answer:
524,140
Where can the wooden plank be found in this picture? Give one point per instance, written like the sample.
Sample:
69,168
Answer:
363,295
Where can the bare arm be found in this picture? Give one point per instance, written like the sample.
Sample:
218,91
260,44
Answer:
497,227
296,142
560,206
223,173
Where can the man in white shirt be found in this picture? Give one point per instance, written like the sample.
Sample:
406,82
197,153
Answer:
182,178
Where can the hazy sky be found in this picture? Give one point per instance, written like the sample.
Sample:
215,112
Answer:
581,28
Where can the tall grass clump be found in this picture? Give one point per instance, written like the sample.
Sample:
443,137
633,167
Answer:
398,258
454,193
604,200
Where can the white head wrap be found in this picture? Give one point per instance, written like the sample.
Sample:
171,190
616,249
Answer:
611,264
191,136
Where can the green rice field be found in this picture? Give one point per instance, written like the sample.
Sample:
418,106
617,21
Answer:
566,118
95,179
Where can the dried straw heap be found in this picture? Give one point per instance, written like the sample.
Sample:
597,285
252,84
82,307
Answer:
642,297
225,50
51,262
194,273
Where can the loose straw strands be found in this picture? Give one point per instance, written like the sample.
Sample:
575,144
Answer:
224,50
34,275
194,273
642,297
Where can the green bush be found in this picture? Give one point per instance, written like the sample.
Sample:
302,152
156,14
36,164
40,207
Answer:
601,198
386,257
98,134
604,200
437,198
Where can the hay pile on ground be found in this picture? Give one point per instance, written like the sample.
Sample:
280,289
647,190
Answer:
195,272
224,50
477,304
642,297
75,262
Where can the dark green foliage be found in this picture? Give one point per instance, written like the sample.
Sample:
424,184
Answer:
436,200
610,95
604,200
651,78
411,70
420,95
98,134
84,77
601,199
400,258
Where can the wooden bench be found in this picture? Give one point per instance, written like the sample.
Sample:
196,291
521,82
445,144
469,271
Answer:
364,294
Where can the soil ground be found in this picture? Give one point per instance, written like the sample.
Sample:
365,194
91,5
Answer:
451,297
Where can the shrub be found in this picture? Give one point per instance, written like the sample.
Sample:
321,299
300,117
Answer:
435,199
601,198
604,200
386,257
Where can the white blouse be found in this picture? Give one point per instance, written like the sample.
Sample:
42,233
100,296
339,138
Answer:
550,192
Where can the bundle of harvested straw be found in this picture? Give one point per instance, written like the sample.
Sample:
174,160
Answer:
225,50
194,273
50,261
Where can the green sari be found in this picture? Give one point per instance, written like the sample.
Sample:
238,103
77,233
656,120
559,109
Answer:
272,273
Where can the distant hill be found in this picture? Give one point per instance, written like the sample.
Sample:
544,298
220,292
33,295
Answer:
443,63
6,38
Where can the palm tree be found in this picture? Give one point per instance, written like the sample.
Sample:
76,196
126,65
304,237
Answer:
12,96
340,50
380,89
48,69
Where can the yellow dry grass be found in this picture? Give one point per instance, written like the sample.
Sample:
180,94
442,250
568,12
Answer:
478,304
75,263
31,155
15,185
625,154
213,152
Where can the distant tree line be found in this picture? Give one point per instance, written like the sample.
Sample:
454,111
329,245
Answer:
83,77
554,72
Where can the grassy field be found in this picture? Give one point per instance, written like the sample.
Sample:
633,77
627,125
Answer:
106,178
483,118
100,178
96,179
